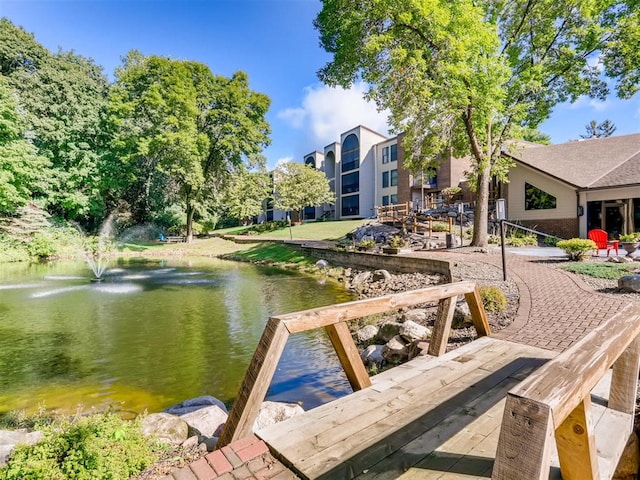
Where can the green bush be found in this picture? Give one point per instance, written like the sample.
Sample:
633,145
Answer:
551,241
366,244
97,446
397,242
42,246
630,237
576,248
440,226
493,298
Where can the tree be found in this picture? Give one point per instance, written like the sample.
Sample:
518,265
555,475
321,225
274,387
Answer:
298,186
463,74
246,194
21,169
595,130
180,128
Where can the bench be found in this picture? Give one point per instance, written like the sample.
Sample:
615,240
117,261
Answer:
454,414
175,239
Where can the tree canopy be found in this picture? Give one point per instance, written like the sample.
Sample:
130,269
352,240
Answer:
463,75
599,130
298,186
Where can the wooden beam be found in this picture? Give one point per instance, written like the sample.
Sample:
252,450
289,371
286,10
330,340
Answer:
478,313
624,382
564,382
348,354
255,384
323,316
442,326
577,446
524,447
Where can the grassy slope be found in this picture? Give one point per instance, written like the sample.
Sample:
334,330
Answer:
318,230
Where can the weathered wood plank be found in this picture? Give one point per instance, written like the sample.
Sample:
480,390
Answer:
524,447
348,355
576,444
564,382
442,326
256,383
478,314
323,316
624,383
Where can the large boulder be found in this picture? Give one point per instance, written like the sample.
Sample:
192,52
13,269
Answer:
629,283
275,412
461,316
372,355
418,348
411,331
388,330
206,421
366,334
165,427
381,275
417,315
10,438
360,280
194,404
395,350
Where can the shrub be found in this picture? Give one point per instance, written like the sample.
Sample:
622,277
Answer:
366,244
96,446
42,246
576,248
440,226
630,237
397,242
493,298
551,241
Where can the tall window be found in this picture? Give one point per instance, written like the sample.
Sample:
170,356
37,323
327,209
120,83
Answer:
394,152
310,161
536,199
385,179
351,205
350,153
394,177
351,183
385,200
393,199
385,154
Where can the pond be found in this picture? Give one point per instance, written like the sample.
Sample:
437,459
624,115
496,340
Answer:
154,333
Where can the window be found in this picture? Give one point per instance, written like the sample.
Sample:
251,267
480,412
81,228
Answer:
309,213
385,200
310,161
385,179
350,153
351,205
393,199
394,177
394,152
536,199
351,183
385,155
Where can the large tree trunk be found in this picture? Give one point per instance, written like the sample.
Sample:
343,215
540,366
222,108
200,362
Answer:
190,212
480,227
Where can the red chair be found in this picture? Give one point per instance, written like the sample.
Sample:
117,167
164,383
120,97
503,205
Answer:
601,238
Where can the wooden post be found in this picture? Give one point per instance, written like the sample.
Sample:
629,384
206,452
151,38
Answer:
524,447
347,351
478,313
442,326
415,223
256,382
624,382
577,445
450,225
430,228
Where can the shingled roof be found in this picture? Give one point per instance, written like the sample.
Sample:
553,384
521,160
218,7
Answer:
593,163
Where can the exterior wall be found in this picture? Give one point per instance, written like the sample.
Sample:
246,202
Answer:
381,167
333,150
405,179
562,227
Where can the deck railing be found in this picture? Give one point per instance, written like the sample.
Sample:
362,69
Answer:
334,320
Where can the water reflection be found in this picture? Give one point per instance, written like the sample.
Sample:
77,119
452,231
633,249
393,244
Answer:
153,333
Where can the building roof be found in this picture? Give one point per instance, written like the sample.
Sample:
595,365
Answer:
593,163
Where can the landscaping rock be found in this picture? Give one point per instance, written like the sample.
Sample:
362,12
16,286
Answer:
207,420
411,331
366,334
166,427
372,355
418,348
10,438
322,264
629,283
388,330
275,412
395,350
381,275
360,279
209,443
461,316
417,315
194,404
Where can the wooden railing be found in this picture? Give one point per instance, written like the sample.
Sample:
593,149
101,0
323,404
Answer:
556,401
396,213
334,319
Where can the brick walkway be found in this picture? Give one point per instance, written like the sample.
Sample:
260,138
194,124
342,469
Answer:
556,309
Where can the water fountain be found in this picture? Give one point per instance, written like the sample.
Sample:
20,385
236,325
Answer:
97,250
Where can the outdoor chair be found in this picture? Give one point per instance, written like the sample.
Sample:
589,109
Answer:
601,239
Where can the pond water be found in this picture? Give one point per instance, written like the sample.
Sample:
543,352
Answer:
154,333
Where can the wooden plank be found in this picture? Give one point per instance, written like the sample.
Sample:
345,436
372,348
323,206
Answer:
323,316
526,433
611,432
255,384
442,326
576,444
348,355
624,383
568,379
478,313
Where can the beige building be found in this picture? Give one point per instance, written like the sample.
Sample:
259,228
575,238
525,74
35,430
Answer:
569,189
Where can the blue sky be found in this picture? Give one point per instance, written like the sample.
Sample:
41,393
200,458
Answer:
274,41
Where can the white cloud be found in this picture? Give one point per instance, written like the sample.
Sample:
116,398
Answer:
282,160
593,104
327,112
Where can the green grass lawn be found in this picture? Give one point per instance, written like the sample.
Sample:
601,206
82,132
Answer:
318,230
612,271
